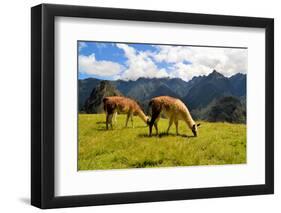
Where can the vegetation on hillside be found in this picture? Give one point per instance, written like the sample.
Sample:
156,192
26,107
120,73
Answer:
229,109
94,102
200,94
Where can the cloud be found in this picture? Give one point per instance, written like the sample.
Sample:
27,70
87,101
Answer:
82,45
187,71
202,60
236,61
139,64
183,62
89,65
172,54
101,45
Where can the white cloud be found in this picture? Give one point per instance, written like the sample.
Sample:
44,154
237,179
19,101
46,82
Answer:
237,61
172,54
183,62
139,64
82,45
203,60
89,65
188,71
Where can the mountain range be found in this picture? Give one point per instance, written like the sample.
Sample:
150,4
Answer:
198,94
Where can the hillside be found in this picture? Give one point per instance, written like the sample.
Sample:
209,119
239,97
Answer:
238,82
94,103
213,86
85,88
227,109
199,94
141,89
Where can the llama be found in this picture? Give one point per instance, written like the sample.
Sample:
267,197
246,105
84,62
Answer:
122,105
172,108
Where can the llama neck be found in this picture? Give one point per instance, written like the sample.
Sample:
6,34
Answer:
142,115
188,119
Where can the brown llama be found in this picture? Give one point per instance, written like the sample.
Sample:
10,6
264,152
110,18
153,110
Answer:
172,108
122,105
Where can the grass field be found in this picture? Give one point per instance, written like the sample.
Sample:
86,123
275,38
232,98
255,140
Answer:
217,143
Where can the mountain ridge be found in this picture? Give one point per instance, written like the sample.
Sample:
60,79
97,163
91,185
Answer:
197,93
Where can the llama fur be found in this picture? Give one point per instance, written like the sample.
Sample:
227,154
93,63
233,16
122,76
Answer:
122,105
173,109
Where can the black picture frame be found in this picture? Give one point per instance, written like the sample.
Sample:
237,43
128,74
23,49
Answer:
43,117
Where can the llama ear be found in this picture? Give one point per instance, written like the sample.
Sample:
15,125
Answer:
198,124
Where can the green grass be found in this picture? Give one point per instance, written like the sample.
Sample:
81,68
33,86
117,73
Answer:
216,144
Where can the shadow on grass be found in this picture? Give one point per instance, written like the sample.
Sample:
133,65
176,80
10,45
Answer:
164,134
100,122
118,129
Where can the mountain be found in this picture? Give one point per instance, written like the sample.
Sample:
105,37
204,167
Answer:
200,94
208,88
227,109
177,85
164,90
85,88
94,103
238,82
142,89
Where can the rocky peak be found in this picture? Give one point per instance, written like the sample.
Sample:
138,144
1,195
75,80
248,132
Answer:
94,103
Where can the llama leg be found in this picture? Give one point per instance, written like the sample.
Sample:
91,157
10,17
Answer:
152,122
155,114
156,128
177,125
107,120
109,114
156,125
128,116
132,121
115,117
170,124
110,120
150,129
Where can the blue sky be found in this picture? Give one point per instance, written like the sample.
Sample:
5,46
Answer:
111,61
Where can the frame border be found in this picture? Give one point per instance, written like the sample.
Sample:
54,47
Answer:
43,114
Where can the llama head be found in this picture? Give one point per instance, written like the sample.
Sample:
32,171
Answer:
147,120
195,129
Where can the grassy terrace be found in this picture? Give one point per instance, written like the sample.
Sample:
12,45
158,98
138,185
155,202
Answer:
217,143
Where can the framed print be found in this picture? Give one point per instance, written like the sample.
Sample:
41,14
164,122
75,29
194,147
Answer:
139,106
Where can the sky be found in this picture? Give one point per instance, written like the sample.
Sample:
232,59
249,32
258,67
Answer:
129,61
